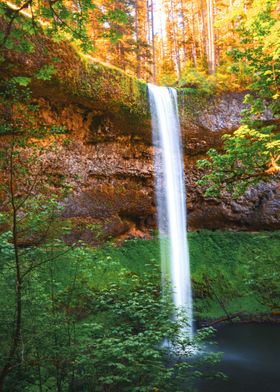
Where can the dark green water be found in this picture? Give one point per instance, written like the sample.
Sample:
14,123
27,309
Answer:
251,359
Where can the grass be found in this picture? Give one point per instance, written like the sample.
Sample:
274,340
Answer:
222,265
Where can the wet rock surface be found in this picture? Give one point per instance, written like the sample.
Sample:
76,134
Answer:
108,167
205,119
112,177
258,209
112,188
106,156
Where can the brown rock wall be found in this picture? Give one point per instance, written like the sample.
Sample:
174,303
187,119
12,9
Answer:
111,175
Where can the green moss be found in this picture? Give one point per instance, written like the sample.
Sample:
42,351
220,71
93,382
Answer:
192,101
226,259
82,78
110,86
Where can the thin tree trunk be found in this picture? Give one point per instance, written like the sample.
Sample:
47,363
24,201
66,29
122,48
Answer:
232,22
194,55
174,31
200,38
183,32
162,37
153,42
16,334
216,38
203,29
211,43
57,359
149,36
138,55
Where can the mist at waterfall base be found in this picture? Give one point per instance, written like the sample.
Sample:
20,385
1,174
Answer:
250,357
250,360
171,197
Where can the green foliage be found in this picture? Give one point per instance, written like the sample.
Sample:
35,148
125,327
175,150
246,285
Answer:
252,152
247,156
55,19
228,77
223,265
90,324
86,322
193,79
21,80
264,281
45,73
168,75
229,260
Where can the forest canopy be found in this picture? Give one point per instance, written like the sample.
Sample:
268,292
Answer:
169,41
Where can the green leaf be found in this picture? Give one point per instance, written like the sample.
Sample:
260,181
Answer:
21,80
45,73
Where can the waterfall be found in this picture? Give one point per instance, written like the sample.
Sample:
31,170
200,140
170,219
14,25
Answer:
171,197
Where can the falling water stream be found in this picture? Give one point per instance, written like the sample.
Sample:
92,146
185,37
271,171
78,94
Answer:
171,196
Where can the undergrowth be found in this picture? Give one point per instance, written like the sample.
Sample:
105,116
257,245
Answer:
231,271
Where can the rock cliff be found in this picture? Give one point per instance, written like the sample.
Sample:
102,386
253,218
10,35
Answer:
111,171
108,157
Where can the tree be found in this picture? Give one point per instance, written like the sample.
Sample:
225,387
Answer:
252,153
211,36
30,208
151,24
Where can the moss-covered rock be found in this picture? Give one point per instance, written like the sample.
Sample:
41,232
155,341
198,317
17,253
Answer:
82,80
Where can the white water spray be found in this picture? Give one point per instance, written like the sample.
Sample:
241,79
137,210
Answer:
171,197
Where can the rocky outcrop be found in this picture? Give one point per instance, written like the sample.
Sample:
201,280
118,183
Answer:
111,173
258,209
106,157
204,121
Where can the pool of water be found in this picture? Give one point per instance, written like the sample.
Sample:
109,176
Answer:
251,359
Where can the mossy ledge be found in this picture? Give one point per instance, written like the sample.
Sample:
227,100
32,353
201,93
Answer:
82,80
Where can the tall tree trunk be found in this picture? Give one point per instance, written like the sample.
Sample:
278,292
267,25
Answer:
211,43
216,37
232,22
138,55
194,54
203,29
175,43
149,36
153,42
183,31
162,38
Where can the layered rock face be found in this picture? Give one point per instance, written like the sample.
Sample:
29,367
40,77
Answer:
106,157
111,172
203,123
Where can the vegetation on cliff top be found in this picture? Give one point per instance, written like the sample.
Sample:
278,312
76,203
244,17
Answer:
252,153
41,52
163,42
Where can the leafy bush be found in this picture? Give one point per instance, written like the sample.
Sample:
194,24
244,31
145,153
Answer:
227,258
91,325
193,79
252,153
